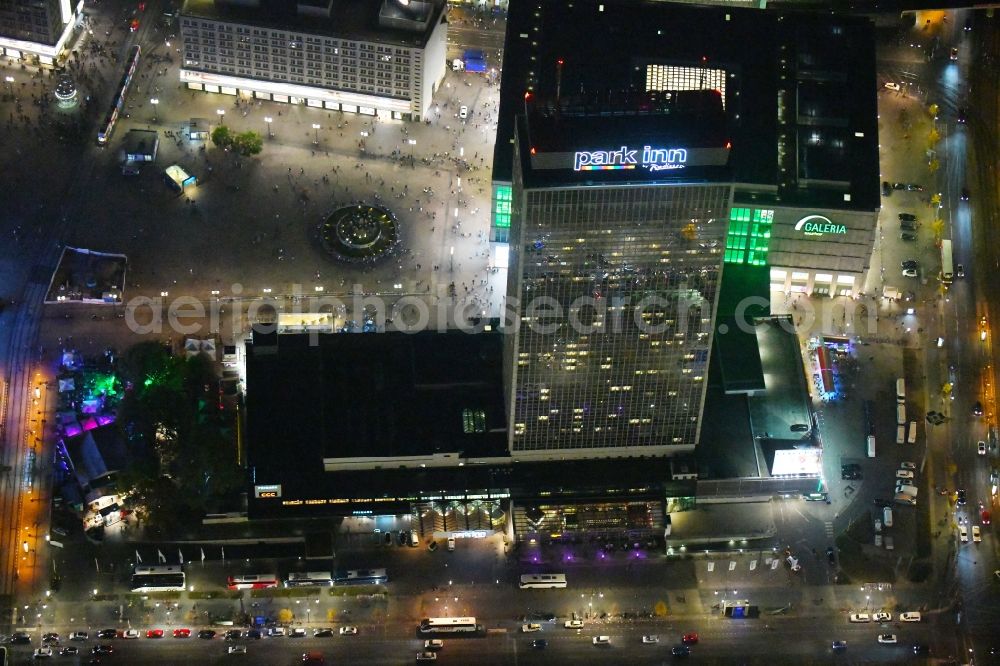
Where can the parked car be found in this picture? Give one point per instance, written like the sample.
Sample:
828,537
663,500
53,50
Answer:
910,272
154,633
130,634
976,534
882,616
69,651
299,632
573,624
887,639
42,653
427,655
650,638
434,644
908,236
206,634
680,651
981,448
79,636
323,633
911,616
348,631
860,617
529,628
463,112
236,649
907,217
886,186
891,85
839,646
107,633
601,640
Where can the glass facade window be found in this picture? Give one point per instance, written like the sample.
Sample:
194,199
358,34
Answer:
613,288
749,236
672,77
501,207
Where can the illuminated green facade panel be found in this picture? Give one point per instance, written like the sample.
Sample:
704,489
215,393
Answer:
501,209
749,236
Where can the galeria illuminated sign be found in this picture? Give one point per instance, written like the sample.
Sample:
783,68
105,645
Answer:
654,159
819,225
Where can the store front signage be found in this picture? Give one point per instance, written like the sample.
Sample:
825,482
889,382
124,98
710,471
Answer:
269,491
819,225
654,159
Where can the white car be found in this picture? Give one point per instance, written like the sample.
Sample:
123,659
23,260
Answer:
236,649
651,639
427,655
963,534
910,272
904,474
348,631
976,535
860,617
434,644
130,633
276,631
878,525
79,636
882,616
529,628
463,112
573,624
299,632
43,653
911,616
908,465
887,639
890,85
982,448
602,640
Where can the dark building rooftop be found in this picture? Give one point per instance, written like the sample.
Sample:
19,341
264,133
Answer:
373,396
389,21
799,90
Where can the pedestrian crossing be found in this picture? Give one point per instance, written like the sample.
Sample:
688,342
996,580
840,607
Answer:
828,526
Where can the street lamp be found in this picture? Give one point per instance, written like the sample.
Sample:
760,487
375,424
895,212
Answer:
412,143
155,102
222,114
10,84
269,120
316,129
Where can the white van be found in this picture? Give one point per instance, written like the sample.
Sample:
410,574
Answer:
901,434
900,414
414,539
887,516
900,390
909,617
912,437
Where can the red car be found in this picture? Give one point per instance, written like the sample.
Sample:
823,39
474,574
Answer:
182,633
689,639
154,633
133,25
985,516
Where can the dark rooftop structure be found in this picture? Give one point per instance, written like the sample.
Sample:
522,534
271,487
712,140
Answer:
372,397
389,21
798,90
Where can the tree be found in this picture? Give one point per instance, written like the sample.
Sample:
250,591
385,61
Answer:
222,136
248,143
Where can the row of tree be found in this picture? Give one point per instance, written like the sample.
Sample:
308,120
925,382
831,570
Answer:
245,143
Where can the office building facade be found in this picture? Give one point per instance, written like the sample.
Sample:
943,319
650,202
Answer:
36,31
374,58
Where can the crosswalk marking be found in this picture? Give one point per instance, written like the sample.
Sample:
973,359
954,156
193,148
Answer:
829,528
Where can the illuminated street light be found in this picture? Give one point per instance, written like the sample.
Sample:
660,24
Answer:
316,128
269,120
222,114
155,102
10,84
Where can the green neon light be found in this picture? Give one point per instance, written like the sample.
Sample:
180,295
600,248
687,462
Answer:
501,209
749,236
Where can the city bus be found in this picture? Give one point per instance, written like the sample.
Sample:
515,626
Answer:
167,578
450,625
542,581
361,577
253,582
307,578
118,102
947,269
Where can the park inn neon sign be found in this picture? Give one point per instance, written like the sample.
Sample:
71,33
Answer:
819,225
654,159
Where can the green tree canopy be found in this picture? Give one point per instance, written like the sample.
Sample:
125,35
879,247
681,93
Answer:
248,143
222,136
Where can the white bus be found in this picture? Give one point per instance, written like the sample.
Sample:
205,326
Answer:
947,269
361,577
307,578
542,581
449,625
871,446
158,579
